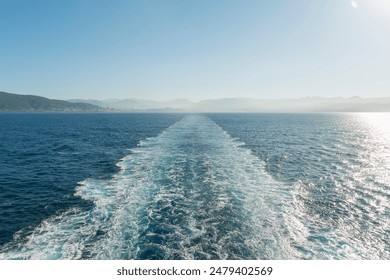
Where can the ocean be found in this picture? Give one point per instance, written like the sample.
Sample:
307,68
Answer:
194,186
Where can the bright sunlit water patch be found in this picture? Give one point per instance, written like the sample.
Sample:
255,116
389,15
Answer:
377,123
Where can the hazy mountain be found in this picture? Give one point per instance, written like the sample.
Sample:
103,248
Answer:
306,104
135,104
10,102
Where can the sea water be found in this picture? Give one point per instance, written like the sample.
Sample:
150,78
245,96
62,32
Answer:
196,186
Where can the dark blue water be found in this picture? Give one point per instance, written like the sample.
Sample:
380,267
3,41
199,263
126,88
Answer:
215,186
44,156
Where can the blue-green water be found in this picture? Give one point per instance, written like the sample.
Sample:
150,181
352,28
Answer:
213,186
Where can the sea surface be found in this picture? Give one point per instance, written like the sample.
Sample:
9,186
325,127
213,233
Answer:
194,186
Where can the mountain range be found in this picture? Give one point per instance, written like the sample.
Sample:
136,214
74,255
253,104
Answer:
31,103
306,104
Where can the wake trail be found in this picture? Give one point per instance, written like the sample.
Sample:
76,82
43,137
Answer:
192,192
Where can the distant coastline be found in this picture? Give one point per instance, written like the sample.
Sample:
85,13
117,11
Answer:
10,102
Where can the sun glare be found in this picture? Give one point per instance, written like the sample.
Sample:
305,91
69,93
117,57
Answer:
380,8
379,122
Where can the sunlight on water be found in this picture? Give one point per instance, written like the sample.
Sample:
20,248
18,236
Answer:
377,127
377,123
337,166
371,192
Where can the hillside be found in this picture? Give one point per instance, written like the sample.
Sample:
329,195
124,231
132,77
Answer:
10,102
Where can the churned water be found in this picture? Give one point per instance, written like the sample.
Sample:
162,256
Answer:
214,186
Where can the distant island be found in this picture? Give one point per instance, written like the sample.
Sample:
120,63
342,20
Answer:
10,102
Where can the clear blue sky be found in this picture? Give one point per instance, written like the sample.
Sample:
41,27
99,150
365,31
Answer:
196,49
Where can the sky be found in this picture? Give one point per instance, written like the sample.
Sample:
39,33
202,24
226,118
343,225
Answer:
203,49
